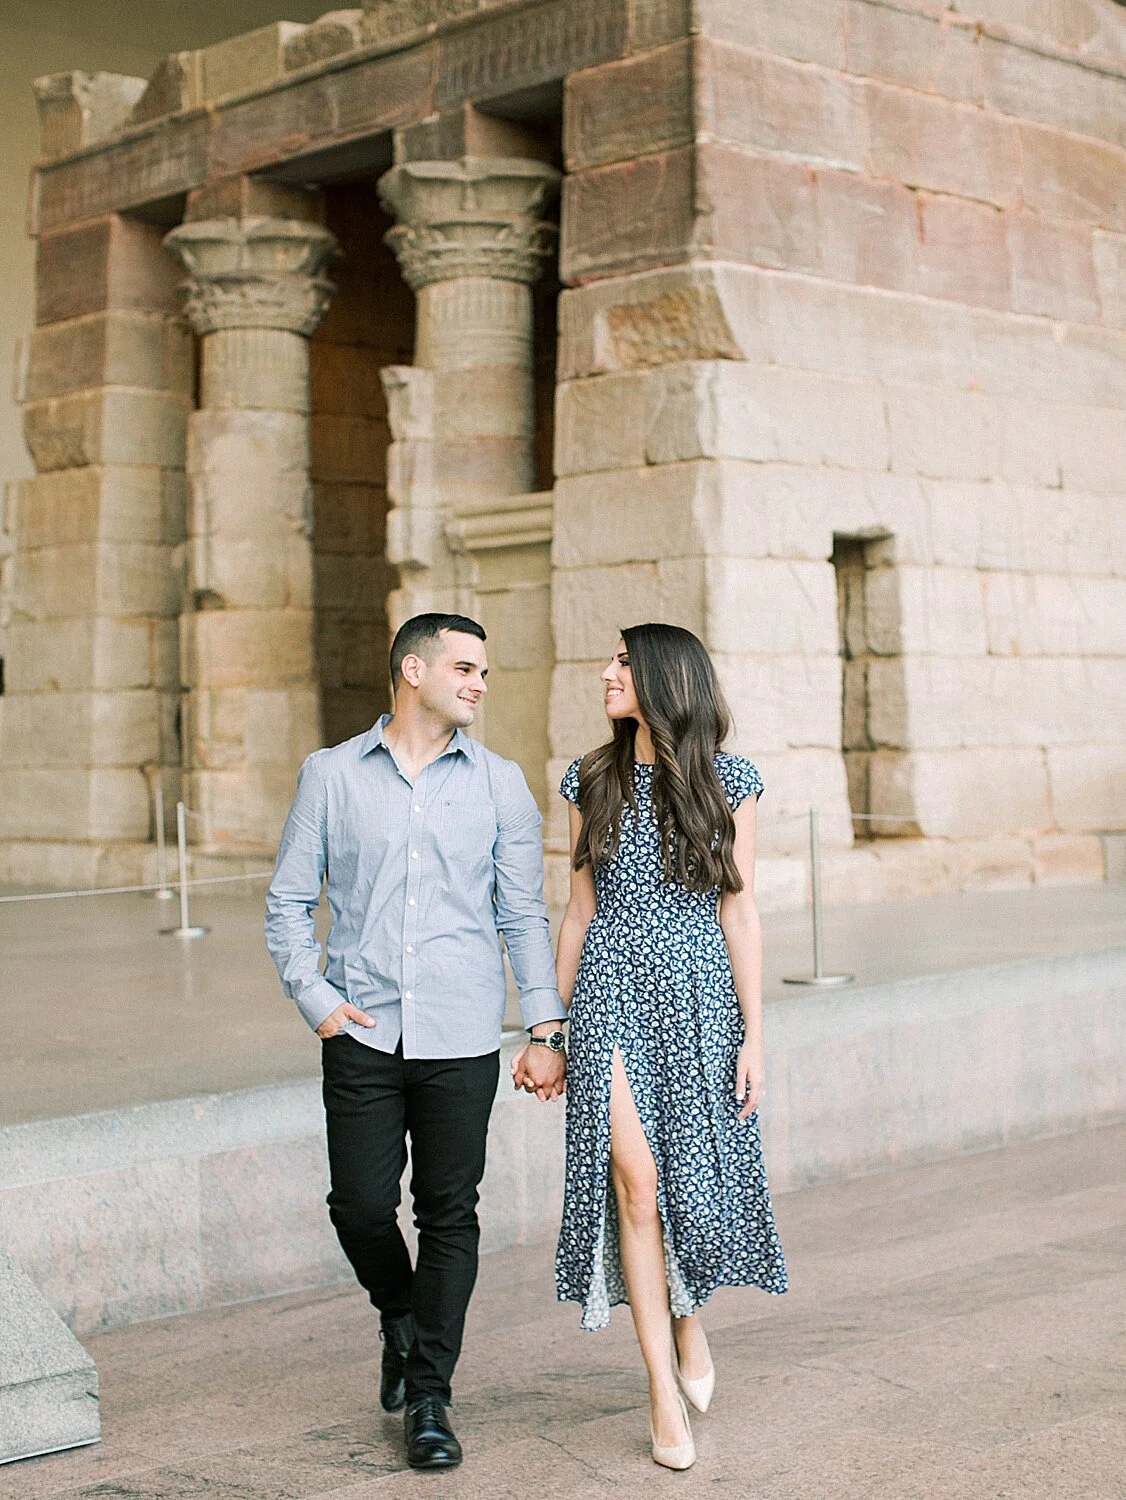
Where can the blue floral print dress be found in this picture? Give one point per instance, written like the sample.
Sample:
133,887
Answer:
655,981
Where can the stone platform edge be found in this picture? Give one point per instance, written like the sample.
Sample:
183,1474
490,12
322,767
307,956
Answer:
175,1206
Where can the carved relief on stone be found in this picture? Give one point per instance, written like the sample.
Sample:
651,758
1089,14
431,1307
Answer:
254,273
470,218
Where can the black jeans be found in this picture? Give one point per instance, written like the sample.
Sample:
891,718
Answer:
373,1101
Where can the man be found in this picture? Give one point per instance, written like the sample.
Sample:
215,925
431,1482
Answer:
431,847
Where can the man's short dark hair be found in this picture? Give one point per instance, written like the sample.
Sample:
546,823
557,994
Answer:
419,635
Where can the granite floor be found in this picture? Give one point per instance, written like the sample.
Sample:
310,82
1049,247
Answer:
98,1011
954,1331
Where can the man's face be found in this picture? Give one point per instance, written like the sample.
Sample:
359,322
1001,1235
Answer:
452,684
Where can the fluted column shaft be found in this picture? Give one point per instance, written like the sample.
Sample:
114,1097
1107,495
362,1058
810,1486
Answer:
471,241
251,705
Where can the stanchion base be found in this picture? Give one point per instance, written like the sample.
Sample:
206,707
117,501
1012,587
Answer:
165,894
819,979
184,932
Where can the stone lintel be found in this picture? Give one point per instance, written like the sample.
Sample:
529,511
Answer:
500,522
80,109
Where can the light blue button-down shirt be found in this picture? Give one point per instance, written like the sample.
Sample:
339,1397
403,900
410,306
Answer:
422,878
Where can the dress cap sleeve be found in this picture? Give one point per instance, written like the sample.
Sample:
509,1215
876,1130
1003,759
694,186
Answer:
740,778
569,786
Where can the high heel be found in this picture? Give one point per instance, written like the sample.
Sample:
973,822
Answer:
676,1455
698,1392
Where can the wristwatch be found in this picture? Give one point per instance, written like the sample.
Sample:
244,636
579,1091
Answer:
554,1039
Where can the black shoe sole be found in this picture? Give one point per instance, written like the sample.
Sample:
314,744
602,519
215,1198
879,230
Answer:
440,1463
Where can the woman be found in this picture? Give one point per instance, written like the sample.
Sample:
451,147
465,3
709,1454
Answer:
660,962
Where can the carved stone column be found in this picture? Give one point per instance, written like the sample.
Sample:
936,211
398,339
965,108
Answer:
471,241
254,295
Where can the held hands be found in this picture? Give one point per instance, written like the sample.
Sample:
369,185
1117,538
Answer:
539,1071
334,1024
750,1071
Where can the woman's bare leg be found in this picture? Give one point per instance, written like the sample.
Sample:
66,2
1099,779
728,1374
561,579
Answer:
634,1175
691,1347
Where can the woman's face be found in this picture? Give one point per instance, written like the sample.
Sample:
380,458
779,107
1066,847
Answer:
617,687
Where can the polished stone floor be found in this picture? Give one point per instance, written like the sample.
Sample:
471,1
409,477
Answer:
98,1010
954,1332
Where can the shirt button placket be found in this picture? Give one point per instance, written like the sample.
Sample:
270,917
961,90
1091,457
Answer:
410,920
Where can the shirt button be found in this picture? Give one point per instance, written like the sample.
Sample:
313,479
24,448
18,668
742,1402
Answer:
417,808
410,947
409,995
414,854
410,901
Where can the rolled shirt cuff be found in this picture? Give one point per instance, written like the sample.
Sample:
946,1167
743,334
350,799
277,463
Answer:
318,1000
537,1006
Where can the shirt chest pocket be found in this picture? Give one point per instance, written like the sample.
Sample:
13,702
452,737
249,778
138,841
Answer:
468,831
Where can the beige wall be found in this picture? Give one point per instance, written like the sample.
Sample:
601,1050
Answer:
54,36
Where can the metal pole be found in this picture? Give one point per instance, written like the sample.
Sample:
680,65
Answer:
185,929
818,977
163,891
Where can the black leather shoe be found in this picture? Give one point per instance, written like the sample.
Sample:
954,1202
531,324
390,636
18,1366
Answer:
396,1334
430,1440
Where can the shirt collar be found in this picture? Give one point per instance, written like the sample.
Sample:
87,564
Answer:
375,737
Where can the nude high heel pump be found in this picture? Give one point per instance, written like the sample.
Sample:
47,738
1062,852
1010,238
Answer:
697,1392
677,1455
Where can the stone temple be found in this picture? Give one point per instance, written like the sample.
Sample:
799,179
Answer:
801,324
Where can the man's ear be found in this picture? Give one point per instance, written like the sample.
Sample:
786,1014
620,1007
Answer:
413,670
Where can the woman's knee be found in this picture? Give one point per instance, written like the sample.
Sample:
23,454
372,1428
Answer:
635,1187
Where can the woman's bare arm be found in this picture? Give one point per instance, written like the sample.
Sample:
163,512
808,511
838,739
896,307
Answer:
742,930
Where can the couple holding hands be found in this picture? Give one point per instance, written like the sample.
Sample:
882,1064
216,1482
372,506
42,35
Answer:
431,849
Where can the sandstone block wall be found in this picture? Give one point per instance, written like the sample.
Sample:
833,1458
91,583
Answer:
92,680
852,274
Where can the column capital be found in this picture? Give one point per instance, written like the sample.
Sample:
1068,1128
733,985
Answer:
475,217
254,273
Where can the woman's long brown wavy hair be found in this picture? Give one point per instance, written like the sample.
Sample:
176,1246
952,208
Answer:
682,702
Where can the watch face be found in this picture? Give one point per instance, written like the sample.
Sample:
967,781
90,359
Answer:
556,1041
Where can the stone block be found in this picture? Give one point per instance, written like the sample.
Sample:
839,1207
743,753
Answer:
627,216
770,105
669,316
1052,614
330,35
1092,446
349,518
962,251
923,52
253,648
1067,859
600,424
176,84
596,515
654,23
1088,787
121,503
1053,269
1030,451
992,864
492,401
343,379
933,143
348,448
944,434
589,606
631,108
1109,254
1072,178
934,610
77,109
65,803
48,1382
1028,83
758,209
794,781
771,606
783,702
114,263
809,31
576,717
868,230
97,578
116,348
242,63
81,729
107,425
964,793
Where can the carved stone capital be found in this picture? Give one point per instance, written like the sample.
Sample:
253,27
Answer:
254,273
470,218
